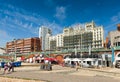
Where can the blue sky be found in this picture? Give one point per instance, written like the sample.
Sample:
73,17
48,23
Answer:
22,18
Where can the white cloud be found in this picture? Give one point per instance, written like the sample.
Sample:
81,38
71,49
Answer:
20,19
16,21
78,25
60,13
115,17
3,34
113,23
54,27
4,37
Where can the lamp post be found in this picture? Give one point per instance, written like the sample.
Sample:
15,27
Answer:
89,49
49,50
75,50
81,50
15,49
113,57
81,44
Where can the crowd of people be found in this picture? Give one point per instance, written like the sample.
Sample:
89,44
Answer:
8,67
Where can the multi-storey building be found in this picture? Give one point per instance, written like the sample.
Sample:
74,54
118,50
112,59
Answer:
56,42
24,45
59,41
114,37
52,43
44,33
83,37
47,42
2,51
106,43
98,34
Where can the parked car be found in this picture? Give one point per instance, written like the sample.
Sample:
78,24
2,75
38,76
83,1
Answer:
117,65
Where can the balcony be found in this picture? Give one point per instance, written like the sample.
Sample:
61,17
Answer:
27,46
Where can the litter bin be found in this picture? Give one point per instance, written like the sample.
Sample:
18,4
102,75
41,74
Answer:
15,64
42,66
49,67
2,64
19,63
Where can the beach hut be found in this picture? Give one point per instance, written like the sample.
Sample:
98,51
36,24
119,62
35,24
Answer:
76,59
67,59
89,61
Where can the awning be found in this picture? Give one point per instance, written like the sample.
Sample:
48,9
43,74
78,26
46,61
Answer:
117,58
50,59
88,59
76,59
67,59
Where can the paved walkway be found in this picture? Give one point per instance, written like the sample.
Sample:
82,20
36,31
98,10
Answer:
63,74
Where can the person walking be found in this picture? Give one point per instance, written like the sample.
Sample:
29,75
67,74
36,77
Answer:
77,65
5,67
11,66
0,65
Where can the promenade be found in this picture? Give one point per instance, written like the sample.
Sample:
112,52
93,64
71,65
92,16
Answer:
63,74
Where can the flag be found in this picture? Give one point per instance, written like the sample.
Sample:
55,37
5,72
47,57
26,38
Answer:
113,56
109,44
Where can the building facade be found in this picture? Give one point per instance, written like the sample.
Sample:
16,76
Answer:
84,37
59,41
22,46
2,51
44,33
80,36
98,34
114,37
47,42
52,43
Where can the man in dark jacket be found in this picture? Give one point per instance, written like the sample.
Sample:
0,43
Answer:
11,67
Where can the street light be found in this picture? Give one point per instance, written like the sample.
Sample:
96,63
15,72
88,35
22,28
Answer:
15,48
75,50
49,50
113,57
81,50
89,49
81,44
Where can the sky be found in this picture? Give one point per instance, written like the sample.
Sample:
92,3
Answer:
22,18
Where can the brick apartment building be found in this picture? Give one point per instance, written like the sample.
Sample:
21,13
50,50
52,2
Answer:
22,46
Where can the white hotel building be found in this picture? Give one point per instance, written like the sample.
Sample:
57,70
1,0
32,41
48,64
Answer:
89,35
82,36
